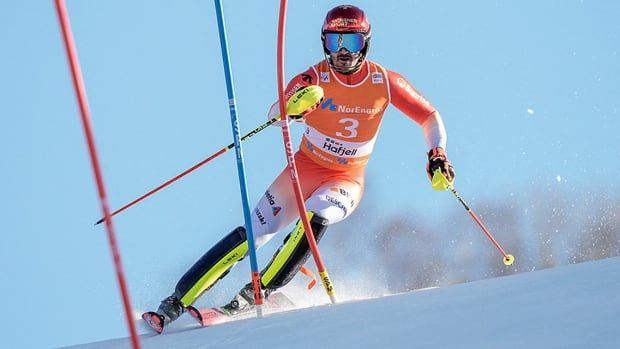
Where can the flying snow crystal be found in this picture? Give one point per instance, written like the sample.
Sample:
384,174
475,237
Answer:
558,178
530,111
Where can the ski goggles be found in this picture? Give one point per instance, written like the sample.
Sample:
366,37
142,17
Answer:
352,42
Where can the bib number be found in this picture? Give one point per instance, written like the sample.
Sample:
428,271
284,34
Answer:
351,126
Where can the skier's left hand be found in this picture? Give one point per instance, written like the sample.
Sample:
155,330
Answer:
437,159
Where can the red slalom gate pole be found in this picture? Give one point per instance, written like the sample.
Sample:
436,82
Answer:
80,90
329,288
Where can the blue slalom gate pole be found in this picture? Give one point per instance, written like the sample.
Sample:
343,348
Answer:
258,298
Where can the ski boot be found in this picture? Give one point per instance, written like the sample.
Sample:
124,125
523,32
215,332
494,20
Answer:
169,310
241,303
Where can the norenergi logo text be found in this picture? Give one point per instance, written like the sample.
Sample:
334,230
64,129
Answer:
345,109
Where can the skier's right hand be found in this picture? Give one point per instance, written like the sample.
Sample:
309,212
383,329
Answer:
314,93
437,159
302,116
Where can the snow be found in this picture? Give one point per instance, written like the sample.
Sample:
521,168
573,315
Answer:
574,306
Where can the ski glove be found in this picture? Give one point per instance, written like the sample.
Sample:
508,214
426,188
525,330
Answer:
437,159
301,117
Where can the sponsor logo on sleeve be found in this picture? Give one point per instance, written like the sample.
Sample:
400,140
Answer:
377,78
324,76
294,89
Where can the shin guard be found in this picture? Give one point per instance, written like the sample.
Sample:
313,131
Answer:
212,266
292,255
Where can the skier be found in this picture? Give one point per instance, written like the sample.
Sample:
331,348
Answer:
335,148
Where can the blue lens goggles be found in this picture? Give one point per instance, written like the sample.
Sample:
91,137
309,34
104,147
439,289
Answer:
352,42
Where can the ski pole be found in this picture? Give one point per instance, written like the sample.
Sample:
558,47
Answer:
440,182
327,283
80,91
301,101
243,185
191,169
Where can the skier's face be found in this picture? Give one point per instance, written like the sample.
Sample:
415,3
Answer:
344,61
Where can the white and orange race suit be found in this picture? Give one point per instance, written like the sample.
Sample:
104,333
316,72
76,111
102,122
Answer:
338,141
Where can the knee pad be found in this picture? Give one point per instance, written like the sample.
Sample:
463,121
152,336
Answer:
292,255
212,266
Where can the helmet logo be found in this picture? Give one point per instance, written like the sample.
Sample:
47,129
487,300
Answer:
342,21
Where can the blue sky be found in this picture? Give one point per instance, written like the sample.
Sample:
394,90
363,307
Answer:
528,91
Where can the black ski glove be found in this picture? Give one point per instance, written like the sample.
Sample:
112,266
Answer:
437,159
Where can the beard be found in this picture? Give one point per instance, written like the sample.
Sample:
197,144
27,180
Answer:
346,62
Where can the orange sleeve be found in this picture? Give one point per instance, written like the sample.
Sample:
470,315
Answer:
300,80
408,100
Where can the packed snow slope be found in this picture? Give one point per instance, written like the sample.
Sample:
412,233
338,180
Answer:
575,306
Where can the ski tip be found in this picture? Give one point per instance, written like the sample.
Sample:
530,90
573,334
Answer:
154,320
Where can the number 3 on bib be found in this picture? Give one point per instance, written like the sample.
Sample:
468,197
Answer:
351,126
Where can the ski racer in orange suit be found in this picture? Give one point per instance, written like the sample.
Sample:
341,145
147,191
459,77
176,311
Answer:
335,148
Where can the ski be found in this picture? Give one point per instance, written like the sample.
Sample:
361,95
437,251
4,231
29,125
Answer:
213,316
154,320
